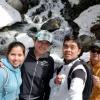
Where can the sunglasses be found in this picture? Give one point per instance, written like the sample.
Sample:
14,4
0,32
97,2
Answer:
95,50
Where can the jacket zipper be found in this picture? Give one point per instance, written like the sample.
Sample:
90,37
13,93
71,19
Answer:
32,80
17,90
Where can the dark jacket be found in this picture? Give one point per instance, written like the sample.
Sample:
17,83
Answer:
36,75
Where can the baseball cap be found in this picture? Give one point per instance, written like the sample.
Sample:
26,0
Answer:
44,35
95,44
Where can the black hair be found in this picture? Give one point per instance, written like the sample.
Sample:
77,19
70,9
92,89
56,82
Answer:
75,27
76,39
15,44
95,44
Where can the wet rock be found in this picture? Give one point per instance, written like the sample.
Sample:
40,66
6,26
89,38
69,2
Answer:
86,41
20,5
73,8
25,39
74,26
8,15
52,24
5,39
34,3
96,30
88,18
97,1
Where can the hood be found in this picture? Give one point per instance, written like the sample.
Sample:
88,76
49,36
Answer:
6,63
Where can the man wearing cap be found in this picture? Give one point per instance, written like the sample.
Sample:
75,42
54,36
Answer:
95,63
38,69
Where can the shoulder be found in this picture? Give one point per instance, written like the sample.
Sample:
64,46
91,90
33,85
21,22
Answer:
2,73
29,54
2,70
80,67
79,71
79,64
50,58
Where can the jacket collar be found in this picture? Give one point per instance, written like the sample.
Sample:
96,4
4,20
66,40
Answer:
69,61
31,52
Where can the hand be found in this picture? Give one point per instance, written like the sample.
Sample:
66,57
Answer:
1,64
96,80
58,79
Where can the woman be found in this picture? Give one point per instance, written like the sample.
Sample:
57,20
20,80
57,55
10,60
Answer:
95,63
10,75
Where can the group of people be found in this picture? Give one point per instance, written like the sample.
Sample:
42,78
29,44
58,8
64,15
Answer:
33,78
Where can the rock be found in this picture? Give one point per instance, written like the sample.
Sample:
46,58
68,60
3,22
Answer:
96,30
20,5
74,27
33,3
73,8
88,18
52,24
97,1
8,15
86,42
6,38
25,39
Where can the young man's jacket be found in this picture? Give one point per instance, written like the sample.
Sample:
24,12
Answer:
61,92
10,81
36,75
96,89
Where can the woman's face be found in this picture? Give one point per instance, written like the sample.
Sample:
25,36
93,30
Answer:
16,56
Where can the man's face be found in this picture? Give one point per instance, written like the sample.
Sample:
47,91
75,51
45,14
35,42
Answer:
41,47
95,55
70,50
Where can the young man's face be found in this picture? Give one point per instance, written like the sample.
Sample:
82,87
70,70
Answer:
41,47
95,55
70,50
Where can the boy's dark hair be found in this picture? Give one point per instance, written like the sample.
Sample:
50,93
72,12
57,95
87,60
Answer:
77,40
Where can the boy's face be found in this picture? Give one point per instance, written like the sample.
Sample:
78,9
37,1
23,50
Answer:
70,50
41,47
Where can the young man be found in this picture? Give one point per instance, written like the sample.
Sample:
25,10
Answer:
95,64
59,83
37,69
